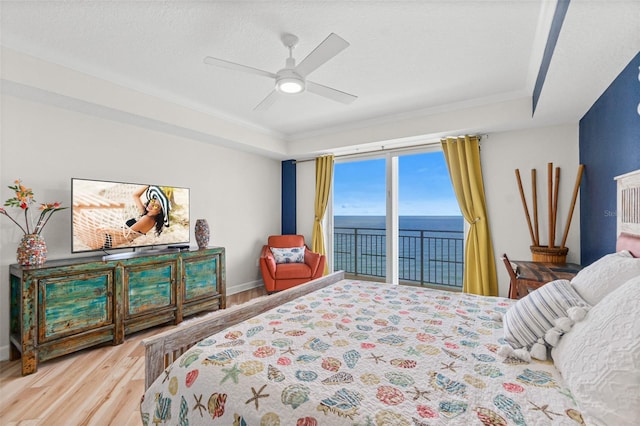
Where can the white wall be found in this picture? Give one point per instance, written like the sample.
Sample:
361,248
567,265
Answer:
501,153
237,192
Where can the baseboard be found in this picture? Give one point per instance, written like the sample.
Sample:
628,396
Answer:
239,288
4,353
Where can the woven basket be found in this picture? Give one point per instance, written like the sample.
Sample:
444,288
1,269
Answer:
549,254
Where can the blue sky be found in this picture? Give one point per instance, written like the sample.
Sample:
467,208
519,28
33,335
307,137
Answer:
424,187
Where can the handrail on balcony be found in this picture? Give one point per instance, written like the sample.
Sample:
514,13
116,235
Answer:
425,256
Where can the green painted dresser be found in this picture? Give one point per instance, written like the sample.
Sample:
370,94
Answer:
67,305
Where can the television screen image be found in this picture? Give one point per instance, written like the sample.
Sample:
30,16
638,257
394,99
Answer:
117,215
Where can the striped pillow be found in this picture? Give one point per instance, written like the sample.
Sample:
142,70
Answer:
535,314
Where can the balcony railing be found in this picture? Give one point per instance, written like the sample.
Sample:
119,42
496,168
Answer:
425,256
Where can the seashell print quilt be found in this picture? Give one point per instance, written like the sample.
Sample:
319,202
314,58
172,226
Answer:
362,353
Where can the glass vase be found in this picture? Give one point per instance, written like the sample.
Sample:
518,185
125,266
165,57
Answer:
202,233
32,250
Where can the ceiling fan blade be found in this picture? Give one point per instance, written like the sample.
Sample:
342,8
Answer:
268,101
330,93
330,47
233,66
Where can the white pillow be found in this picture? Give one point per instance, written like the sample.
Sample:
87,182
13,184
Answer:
605,275
288,255
599,359
536,313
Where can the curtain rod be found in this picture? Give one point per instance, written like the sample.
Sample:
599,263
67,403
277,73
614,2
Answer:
383,149
371,151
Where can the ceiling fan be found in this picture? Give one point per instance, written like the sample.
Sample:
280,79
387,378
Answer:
292,79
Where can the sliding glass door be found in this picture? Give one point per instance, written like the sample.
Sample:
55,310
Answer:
395,218
431,227
359,221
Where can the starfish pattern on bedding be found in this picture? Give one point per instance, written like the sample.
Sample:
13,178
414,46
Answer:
257,395
276,330
199,406
377,358
330,334
232,373
544,409
418,393
289,351
167,372
449,366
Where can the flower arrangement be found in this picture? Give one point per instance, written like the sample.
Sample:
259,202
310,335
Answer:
24,200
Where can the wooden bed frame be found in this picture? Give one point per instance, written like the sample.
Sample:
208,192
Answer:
628,212
164,348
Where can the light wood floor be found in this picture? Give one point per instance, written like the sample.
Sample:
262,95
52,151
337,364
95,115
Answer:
98,386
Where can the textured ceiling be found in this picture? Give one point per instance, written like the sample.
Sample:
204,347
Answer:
405,57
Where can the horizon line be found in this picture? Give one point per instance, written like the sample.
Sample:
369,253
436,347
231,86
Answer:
402,215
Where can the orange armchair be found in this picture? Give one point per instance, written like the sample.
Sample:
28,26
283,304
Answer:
281,276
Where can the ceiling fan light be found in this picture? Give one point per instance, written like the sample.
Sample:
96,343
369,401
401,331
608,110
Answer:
290,85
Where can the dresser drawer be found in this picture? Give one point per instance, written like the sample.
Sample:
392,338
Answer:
149,287
74,304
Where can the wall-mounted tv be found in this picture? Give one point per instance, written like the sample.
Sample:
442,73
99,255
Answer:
117,215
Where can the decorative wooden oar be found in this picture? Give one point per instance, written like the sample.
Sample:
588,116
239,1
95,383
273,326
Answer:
526,209
576,187
555,208
534,184
550,201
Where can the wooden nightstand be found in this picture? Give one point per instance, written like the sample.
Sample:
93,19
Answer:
528,276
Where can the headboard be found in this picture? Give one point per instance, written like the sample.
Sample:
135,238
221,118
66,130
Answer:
628,212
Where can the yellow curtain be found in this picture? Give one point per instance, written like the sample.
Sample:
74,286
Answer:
324,176
463,159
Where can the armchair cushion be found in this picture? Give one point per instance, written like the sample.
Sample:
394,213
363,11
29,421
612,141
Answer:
289,255
287,271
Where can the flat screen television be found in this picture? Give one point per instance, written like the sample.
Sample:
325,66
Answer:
110,215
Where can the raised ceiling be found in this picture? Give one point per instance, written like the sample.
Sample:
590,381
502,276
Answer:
405,59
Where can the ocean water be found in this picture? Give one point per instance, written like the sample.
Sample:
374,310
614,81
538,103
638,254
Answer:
427,223
430,247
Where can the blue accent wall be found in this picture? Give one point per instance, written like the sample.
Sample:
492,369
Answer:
288,221
609,147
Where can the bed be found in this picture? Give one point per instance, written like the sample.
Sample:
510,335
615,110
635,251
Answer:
337,351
